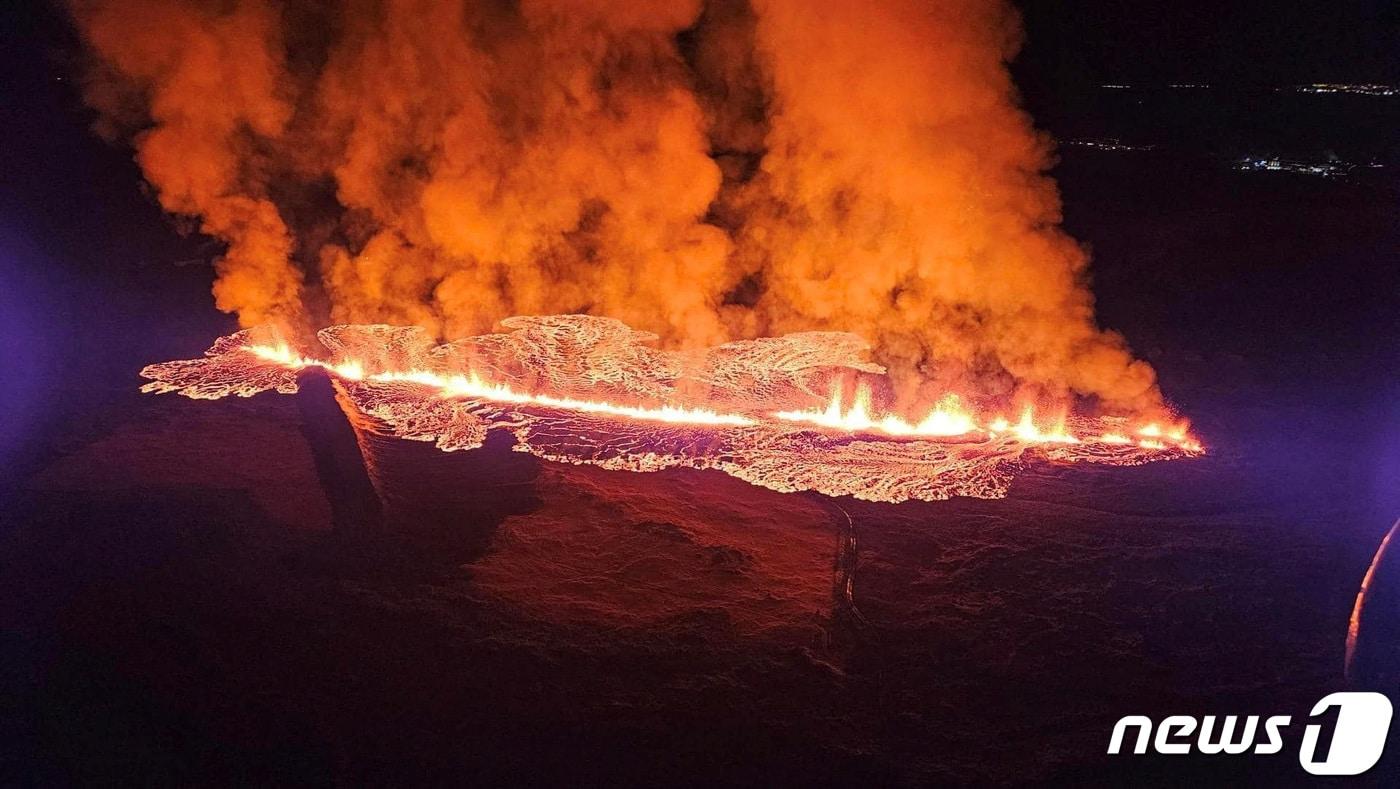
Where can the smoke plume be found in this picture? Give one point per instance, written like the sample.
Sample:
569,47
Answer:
703,170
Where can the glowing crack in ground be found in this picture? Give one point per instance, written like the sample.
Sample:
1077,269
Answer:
590,390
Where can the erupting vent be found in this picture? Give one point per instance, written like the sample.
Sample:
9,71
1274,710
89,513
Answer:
789,413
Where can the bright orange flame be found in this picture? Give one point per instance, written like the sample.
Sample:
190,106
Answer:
1153,434
471,385
1028,431
286,357
949,417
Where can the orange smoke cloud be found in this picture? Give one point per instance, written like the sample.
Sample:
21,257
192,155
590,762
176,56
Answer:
210,86
902,193
705,171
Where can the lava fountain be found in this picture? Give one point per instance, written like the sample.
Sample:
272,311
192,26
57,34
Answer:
789,413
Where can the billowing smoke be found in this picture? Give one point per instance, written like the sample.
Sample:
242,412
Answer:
204,93
703,170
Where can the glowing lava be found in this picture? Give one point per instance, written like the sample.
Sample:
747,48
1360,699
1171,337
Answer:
470,385
948,418
582,389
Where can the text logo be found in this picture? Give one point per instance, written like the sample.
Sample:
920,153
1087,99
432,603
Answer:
1358,737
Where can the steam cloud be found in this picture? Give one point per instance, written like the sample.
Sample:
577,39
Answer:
703,170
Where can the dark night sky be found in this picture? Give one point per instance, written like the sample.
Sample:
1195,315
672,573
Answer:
1225,41
1086,42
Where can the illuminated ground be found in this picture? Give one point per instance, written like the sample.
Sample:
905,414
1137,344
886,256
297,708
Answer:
187,595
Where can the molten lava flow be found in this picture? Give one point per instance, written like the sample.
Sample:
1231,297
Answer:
588,390
470,385
948,417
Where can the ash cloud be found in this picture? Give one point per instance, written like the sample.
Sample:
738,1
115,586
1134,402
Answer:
702,170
